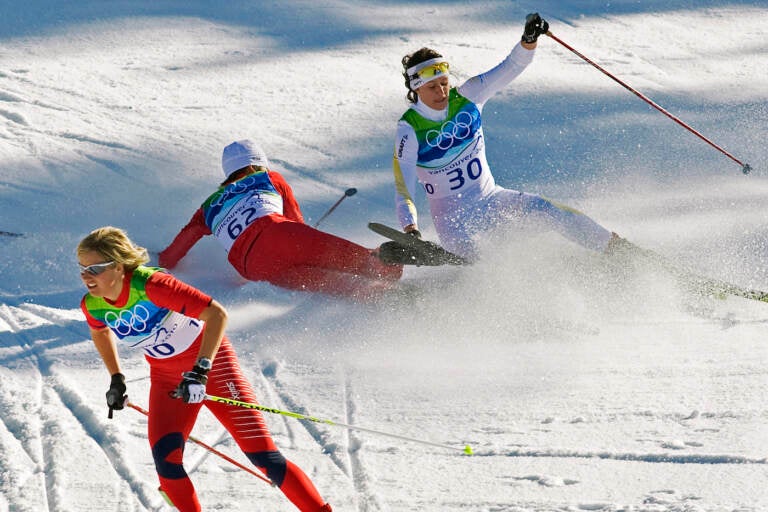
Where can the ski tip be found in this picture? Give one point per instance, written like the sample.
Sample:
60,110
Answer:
468,450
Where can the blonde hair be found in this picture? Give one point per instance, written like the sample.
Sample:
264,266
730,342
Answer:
114,245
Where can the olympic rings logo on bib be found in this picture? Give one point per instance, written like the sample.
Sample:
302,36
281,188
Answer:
128,320
456,129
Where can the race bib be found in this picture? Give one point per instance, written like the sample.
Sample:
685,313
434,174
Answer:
466,170
242,213
173,335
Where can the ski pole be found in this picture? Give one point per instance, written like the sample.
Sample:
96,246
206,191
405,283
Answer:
349,192
247,405
745,168
211,449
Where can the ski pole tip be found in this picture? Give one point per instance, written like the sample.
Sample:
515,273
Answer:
468,450
746,168
350,191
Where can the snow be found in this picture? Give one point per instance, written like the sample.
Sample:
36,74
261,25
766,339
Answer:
578,387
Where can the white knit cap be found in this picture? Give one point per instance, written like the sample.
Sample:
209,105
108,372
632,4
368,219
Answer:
242,153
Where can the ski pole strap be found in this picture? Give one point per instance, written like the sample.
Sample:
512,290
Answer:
210,449
248,405
745,168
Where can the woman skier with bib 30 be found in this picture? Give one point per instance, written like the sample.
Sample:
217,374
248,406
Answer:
440,144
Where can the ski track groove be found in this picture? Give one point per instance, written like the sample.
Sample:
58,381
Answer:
328,448
274,397
354,468
48,429
108,441
367,499
41,458
222,439
50,382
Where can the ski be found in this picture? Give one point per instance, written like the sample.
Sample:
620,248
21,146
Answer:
429,253
715,287
425,252
10,233
701,284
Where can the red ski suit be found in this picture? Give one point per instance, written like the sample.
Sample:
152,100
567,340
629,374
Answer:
267,240
171,420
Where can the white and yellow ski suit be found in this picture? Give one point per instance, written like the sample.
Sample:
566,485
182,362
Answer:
445,152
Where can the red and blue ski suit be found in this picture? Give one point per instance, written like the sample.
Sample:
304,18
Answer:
258,221
159,314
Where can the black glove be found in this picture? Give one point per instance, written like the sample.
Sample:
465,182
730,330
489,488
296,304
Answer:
191,389
116,396
534,27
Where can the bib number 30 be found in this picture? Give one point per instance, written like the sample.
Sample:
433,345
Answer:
458,177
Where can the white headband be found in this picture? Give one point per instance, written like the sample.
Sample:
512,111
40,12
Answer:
415,81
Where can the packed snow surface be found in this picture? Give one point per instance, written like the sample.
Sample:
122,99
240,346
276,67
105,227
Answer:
579,387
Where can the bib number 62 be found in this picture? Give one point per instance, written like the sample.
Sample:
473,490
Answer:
237,226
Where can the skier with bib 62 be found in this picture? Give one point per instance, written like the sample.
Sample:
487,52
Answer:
256,218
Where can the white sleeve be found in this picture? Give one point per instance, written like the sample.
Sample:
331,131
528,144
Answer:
480,88
404,167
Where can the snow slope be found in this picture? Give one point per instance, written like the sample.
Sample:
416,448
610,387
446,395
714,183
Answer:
578,387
